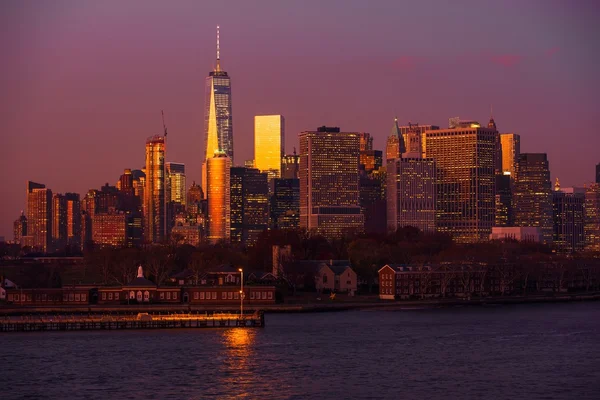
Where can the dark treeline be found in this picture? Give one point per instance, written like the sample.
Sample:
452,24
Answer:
367,254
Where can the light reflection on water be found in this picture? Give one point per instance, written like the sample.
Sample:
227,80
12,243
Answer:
505,352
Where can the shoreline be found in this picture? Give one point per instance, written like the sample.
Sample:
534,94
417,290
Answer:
325,306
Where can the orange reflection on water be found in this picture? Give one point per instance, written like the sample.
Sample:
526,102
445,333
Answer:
239,354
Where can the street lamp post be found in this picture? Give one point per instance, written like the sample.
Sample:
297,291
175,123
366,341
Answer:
241,292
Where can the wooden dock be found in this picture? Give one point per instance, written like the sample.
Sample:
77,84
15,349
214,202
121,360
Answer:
139,321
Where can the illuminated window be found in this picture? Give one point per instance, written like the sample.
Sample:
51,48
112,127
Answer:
202,296
223,295
195,295
270,296
252,295
116,296
110,296
175,296
168,295
162,295
146,296
214,295
103,296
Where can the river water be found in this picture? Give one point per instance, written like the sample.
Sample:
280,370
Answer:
546,351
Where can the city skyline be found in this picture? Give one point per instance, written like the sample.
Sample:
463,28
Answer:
51,121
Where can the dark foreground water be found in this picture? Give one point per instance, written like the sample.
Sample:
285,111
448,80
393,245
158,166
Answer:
549,351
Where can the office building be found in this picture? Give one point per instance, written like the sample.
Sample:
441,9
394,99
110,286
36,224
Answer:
329,182
372,200
39,216
511,149
290,166
249,209
218,119
533,194
109,229
59,221
411,193
20,228
568,217
154,192
176,183
285,204
466,158
598,173
269,143
592,217
504,196
218,197
394,146
73,219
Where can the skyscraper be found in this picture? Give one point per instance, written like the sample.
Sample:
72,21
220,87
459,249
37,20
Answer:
504,195
285,204
73,219
176,183
269,143
592,217
568,217
290,166
218,196
411,184
39,216
329,182
533,194
20,228
154,192
249,198
218,120
598,173
466,158
394,147
511,148
59,221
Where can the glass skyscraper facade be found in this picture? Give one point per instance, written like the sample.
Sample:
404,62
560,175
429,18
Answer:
218,120
249,201
466,159
269,143
218,197
533,194
176,182
511,148
329,182
154,192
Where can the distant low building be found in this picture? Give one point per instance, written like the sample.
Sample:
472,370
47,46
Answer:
519,233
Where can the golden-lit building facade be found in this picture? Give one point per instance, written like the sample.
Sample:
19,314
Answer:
154,191
176,183
394,147
466,158
218,197
411,193
269,143
329,182
109,229
218,118
511,148
39,216
59,221
592,217
533,194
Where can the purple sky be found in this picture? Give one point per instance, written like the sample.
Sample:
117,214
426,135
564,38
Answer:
83,82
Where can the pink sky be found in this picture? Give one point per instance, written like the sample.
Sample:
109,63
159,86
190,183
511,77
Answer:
83,82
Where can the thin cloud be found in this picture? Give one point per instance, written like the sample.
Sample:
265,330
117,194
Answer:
506,60
407,63
551,52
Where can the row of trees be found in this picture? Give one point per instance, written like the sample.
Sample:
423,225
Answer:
367,254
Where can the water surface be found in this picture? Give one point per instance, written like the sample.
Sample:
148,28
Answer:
546,351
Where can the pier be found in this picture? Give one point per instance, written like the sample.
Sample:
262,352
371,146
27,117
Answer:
35,323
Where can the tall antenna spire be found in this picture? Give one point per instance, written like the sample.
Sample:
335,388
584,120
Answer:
218,67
